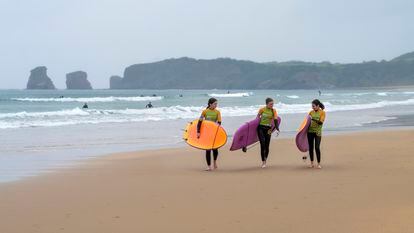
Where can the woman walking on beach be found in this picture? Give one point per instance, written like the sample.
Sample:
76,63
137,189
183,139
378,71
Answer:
315,131
266,114
210,114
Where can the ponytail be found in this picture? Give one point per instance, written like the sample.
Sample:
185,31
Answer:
318,103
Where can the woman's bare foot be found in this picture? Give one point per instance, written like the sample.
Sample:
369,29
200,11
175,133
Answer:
208,169
264,165
319,166
311,165
215,165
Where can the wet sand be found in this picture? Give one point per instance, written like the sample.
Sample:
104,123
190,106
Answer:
366,185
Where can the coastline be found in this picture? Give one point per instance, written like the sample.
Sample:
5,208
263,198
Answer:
366,180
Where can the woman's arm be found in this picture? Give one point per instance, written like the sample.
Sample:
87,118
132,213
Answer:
259,114
321,119
275,119
200,120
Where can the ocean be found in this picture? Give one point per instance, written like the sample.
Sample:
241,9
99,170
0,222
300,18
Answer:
42,131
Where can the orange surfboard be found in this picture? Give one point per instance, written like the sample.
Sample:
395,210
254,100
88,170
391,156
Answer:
212,135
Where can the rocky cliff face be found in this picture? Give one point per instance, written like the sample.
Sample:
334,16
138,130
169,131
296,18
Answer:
77,80
39,80
115,82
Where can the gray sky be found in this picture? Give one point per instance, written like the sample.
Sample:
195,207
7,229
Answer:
103,37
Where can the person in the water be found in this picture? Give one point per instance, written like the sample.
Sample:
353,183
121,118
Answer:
315,131
210,114
149,105
268,115
85,106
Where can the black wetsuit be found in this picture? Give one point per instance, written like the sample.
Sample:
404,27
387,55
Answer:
263,133
264,138
208,152
208,156
314,142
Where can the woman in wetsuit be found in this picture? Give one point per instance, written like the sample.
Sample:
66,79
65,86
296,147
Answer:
315,131
267,114
210,114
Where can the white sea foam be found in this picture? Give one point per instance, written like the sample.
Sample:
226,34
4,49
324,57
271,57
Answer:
382,93
24,114
292,96
92,99
92,116
241,94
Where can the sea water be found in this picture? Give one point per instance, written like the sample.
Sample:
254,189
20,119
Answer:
44,130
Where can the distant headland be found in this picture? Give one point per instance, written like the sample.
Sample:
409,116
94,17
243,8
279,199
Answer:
227,73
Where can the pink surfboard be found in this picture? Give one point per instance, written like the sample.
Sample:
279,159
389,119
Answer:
302,135
246,135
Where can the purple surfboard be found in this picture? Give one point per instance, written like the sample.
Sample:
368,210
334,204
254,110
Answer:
246,135
302,135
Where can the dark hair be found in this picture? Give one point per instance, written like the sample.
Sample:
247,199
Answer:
211,101
318,103
268,100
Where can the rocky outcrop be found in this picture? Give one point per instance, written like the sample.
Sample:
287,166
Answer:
115,82
39,80
78,80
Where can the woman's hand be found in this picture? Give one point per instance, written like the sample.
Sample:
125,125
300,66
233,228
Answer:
270,131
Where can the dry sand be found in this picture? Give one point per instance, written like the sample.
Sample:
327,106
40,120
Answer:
366,185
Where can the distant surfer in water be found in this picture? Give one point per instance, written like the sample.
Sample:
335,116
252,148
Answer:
85,106
149,105
267,114
210,114
320,93
315,131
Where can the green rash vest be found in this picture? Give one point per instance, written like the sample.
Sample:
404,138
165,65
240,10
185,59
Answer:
314,126
267,115
211,115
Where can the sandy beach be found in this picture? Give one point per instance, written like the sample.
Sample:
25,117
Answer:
366,185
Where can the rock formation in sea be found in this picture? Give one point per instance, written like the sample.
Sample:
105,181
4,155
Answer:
39,80
115,82
77,80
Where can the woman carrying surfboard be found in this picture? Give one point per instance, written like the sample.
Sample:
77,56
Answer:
210,114
315,131
268,120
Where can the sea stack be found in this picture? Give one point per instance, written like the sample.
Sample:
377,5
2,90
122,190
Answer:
115,82
39,80
78,80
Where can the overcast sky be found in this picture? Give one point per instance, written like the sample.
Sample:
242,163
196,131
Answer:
103,37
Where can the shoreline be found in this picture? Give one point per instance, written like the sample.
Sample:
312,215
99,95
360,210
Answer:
366,179
93,158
